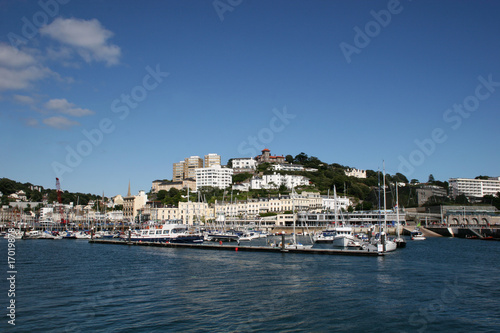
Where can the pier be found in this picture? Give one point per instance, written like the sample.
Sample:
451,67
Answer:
216,246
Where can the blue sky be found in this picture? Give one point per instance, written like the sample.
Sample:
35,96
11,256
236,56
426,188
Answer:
103,92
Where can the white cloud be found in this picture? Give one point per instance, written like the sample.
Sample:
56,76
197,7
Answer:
63,106
11,57
89,38
31,122
27,100
21,78
60,122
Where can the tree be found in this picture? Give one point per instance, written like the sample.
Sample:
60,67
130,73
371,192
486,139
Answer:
230,163
431,179
414,181
461,199
301,158
240,177
289,158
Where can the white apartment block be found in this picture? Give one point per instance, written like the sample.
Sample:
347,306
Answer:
275,180
215,176
342,203
211,160
474,187
244,163
355,173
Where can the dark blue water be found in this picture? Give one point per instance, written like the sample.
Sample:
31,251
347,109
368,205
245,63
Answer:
440,284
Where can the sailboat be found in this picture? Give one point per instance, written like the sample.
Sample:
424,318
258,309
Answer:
400,241
294,244
382,241
339,235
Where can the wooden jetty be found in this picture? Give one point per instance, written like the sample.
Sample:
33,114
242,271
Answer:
217,246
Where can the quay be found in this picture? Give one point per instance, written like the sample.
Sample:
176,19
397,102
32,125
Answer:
235,248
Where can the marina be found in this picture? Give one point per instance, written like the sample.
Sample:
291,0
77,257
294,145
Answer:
86,286
272,249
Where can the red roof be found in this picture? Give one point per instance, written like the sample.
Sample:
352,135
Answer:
265,149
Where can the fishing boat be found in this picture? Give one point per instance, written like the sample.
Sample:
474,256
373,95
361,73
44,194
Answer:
344,237
417,235
168,233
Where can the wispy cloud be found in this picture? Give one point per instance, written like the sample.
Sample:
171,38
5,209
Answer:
60,122
26,100
88,37
31,122
19,69
63,106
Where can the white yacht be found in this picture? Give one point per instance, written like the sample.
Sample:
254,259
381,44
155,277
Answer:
417,235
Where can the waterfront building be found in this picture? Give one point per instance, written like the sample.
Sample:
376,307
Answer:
358,173
132,204
266,157
117,200
475,188
215,176
211,160
343,203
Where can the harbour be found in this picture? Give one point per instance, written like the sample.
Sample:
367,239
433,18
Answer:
82,286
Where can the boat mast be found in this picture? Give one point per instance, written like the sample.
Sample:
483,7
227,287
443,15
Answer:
385,212
293,211
397,211
335,205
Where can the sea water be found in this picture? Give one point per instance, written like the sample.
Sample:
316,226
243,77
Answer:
440,284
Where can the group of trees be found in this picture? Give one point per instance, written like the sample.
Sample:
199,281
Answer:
8,186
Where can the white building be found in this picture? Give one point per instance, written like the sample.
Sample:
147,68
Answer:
355,173
342,203
292,167
275,180
474,187
215,176
246,163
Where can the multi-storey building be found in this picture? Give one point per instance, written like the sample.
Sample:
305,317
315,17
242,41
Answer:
275,180
178,171
190,165
211,160
215,176
474,187
132,204
244,164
